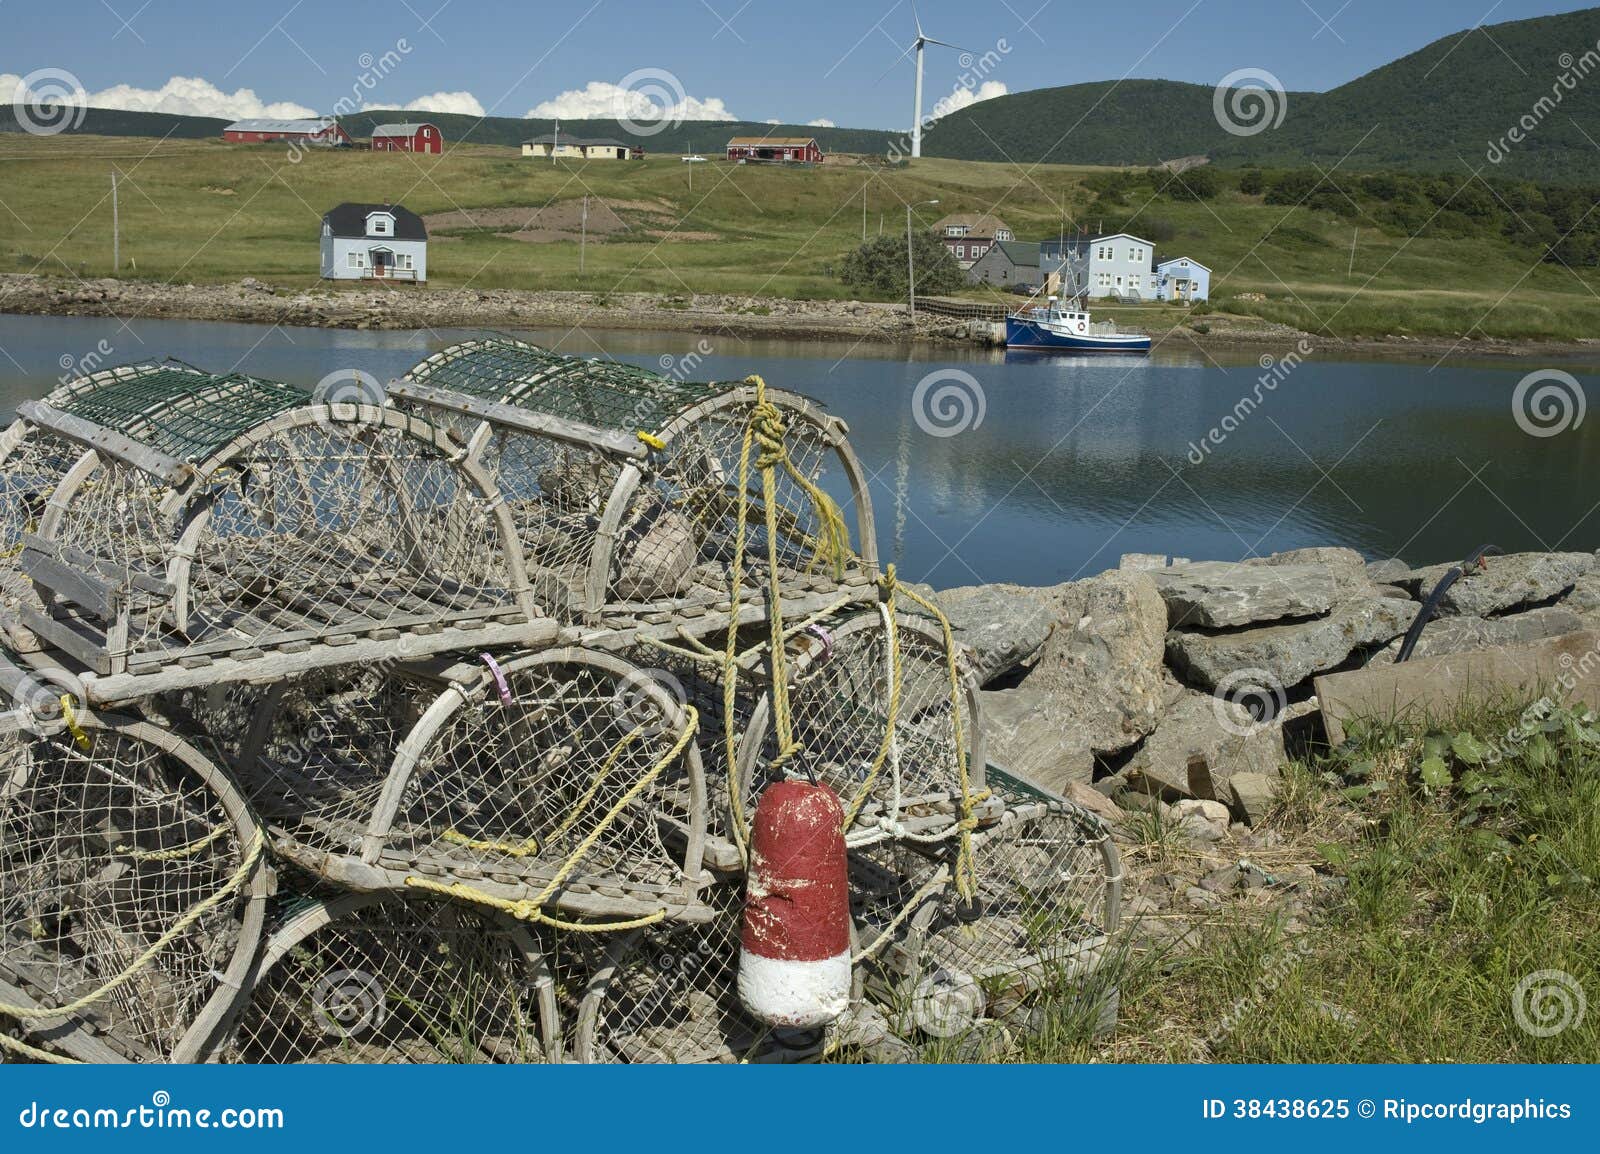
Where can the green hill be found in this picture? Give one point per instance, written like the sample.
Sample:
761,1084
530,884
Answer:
1428,111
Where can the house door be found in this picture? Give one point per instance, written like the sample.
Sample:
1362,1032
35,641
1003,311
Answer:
382,262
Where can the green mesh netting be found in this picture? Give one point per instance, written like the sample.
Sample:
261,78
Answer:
604,394
182,412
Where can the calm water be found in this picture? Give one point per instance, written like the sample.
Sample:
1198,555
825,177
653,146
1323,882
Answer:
1075,461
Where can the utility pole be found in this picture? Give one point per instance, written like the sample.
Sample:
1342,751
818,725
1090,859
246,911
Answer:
583,234
911,269
116,239
863,214
555,139
1354,233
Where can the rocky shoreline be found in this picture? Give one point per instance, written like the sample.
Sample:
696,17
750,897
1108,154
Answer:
408,307
1168,680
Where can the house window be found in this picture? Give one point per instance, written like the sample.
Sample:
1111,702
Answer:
961,252
353,260
403,260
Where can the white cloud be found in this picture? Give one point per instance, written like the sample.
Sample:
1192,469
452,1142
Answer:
821,122
602,100
462,102
774,120
185,95
962,97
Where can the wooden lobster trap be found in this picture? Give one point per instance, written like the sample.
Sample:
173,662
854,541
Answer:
563,787
132,884
220,528
631,490
370,978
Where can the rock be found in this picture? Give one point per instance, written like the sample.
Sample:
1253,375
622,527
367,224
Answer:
1220,733
1201,898
1461,634
251,284
1220,881
1584,598
1387,571
658,557
1254,795
1101,665
1204,808
1288,654
1005,626
1142,561
1220,594
1501,583
1095,802
1024,733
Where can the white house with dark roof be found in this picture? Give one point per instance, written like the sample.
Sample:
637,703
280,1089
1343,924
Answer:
374,242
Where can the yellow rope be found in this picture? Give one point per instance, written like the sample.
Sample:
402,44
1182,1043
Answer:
893,710
650,440
181,851
966,865
196,912
69,715
528,848
531,909
17,1046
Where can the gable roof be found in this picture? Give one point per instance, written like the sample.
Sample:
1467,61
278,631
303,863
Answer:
1022,253
1185,260
1122,236
402,129
349,220
263,124
577,141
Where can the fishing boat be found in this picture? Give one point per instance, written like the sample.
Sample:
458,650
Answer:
1070,330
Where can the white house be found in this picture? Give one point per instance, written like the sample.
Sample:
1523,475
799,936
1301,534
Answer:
374,242
1120,265
1182,279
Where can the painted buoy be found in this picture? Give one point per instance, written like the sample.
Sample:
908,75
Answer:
794,956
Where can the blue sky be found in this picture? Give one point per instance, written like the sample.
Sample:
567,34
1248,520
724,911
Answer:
827,60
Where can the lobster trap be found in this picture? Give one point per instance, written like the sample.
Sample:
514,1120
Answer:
132,888
218,528
562,786
632,491
367,978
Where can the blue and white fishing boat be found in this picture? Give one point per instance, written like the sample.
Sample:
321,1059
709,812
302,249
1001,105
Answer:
1070,330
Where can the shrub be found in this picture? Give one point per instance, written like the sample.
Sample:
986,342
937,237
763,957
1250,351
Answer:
880,266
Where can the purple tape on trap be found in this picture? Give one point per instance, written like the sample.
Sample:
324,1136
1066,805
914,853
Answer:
825,636
499,678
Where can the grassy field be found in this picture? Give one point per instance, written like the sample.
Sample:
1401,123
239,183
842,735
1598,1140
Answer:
1446,877
199,211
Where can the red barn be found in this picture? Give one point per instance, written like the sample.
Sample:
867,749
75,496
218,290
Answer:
407,138
776,149
323,130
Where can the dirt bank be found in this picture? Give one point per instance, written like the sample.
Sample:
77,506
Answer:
409,307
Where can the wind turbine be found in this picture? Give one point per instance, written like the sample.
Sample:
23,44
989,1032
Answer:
922,40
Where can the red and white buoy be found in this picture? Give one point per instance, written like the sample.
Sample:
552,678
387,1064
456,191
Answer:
794,957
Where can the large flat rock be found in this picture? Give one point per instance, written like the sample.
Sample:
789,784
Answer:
1557,667
1220,594
1281,656
1501,583
1022,731
1445,635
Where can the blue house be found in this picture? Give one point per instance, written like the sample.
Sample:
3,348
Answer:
1182,279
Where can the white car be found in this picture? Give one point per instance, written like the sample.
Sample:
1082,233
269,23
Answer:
696,159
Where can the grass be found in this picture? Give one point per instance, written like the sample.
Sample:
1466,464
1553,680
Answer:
1445,878
203,211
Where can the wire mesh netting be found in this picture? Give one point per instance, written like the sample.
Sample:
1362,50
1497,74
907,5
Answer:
373,979
568,777
601,528
323,521
849,677
125,888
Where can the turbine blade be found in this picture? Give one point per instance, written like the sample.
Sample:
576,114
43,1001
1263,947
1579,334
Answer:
946,44
896,64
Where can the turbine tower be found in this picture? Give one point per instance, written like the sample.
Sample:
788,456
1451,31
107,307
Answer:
916,46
